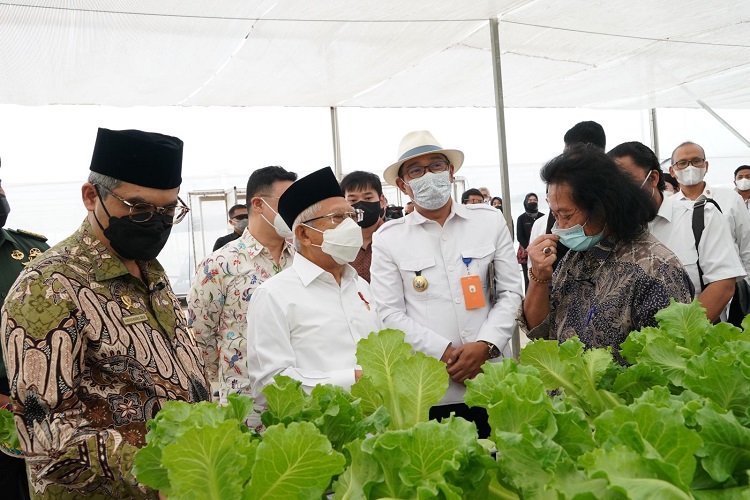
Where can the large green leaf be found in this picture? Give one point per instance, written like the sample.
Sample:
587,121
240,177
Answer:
294,461
726,446
408,384
487,387
636,380
286,401
360,476
631,473
206,465
723,376
147,467
686,322
671,359
431,460
657,433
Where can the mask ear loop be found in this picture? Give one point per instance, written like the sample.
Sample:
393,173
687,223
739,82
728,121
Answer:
96,188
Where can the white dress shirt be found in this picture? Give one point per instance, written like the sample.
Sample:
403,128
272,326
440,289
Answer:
302,324
438,316
736,214
718,258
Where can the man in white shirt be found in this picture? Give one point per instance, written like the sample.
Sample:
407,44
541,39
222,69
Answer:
306,321
689,167
430,272
673,226
742,182
226,279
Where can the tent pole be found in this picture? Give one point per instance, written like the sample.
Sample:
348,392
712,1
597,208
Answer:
336,145
500,116
654,126
515,341
723,122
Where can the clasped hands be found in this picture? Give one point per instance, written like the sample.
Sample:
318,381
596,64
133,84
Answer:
465,361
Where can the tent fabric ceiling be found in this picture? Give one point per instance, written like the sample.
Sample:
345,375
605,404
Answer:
391,53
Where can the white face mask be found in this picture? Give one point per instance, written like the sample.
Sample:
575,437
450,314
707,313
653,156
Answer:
431,191
690,175
278,223
743,184
667,194
342,242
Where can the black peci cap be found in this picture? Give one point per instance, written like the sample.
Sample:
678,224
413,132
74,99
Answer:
308,191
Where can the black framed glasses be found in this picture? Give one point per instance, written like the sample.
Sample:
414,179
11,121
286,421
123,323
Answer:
696,162
239,216
143,212
434,167
338,218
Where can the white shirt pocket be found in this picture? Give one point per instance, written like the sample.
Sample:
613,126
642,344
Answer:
480,257
422,266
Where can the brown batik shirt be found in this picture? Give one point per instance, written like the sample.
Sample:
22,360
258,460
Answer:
92,353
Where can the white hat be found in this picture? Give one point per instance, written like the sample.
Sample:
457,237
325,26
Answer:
417,144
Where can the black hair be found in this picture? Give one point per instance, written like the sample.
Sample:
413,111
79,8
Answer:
668,179
687,143
261,181
360,180
496,198
741,167
234,209
469,192
602,190
643,157
587,132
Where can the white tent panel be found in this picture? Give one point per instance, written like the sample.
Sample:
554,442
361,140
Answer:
392,53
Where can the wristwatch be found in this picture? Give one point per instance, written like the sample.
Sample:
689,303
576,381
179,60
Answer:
492,349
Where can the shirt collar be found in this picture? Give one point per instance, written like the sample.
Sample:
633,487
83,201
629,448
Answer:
665,210
706,192
255,248
308,271
415,218
106,264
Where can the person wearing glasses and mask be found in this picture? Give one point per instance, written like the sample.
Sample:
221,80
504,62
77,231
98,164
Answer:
615,276
306,321
238,220
447,274
94,338
364,191
226,279
715,262
689,167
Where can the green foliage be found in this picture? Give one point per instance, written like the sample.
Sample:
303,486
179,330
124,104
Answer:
406,384
8,434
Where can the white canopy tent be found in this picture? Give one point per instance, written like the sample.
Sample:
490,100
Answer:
391,53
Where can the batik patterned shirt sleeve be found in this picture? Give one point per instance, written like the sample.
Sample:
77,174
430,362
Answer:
603,294
218,304
84,378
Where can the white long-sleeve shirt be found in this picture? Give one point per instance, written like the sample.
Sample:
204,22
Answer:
302,324
438,316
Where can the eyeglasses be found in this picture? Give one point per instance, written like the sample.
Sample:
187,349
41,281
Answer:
338,218
565,218
240,217
143,212
434,167
696,162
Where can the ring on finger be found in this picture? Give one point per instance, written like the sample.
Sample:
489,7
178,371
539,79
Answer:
547,250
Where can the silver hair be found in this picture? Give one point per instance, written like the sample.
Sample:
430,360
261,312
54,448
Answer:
308,213
104,181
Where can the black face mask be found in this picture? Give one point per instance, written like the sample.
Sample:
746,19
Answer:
135,240
532,207
372,212
4,210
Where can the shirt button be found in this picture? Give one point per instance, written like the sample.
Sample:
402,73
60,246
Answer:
444,238
457,300
463,334
450,268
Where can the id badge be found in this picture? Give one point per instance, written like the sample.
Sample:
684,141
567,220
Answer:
473,294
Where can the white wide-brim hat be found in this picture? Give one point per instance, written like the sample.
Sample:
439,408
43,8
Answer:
417,144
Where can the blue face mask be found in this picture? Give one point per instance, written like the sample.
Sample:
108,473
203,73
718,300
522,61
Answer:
575,239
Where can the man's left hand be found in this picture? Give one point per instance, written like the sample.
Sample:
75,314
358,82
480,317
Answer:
467,360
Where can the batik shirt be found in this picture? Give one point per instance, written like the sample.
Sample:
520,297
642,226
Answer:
604,293
217,307
92,353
